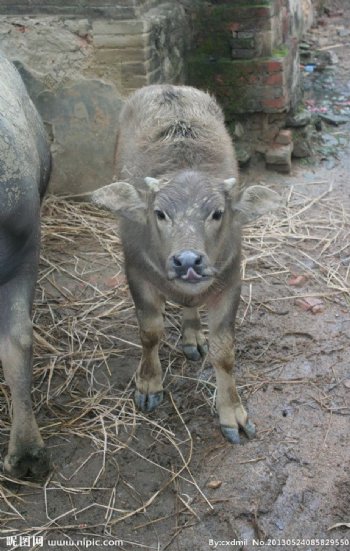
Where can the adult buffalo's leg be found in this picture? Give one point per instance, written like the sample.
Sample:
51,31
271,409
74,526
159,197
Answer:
222,309
149,304
26,454
194,343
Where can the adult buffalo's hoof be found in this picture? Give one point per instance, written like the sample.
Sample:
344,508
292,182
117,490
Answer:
231,434
33,463
195,353
148,402
249,429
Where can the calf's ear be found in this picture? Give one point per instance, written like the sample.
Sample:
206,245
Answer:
256,201
122,199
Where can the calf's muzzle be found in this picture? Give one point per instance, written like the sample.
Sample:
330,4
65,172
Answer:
187,265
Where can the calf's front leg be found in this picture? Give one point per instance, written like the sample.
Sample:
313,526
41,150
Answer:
194,343
149,305
222,309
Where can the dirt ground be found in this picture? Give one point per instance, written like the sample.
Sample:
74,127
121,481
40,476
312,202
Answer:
169,480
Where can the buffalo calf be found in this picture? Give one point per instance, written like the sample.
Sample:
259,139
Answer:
24,174
181,214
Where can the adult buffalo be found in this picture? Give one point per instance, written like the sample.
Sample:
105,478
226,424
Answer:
24,173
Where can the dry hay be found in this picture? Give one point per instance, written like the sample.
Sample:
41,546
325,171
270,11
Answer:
84,319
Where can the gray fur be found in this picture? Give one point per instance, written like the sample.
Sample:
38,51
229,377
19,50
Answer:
176,192
25,165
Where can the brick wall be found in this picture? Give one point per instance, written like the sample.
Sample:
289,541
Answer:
80,59
246,54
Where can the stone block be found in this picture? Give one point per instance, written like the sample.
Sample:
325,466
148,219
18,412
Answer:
120,40
132,81
279,157
124,55
82,115
284,137
131,69
302,140
299,120
132,26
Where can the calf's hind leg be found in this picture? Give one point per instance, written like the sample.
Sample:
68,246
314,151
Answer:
222,310
149,305
26,454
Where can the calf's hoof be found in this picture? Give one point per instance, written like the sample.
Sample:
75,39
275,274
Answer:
148,402
33,462
195,353
232,435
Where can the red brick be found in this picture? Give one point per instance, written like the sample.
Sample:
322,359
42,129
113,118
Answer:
276,104
233,27
275,79
262,12
252,79
274,66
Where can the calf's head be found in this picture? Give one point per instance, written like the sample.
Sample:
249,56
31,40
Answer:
191,223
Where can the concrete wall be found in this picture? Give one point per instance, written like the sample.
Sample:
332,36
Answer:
80,65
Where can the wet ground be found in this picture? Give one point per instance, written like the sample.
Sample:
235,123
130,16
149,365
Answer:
169,480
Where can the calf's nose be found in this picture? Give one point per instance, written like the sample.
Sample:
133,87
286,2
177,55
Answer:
185,260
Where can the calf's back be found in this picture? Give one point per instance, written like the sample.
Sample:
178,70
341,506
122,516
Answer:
165,128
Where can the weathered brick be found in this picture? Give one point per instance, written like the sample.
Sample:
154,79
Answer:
120,40
275,79
228,18
243,53
245,43
233,26
136,69
245,34
271,92
215,44
132,82
128,56
103,27
274,66
275,104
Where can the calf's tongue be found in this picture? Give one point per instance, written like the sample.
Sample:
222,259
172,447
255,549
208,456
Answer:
191,275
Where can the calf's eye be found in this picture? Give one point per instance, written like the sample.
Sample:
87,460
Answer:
160,214
217,214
